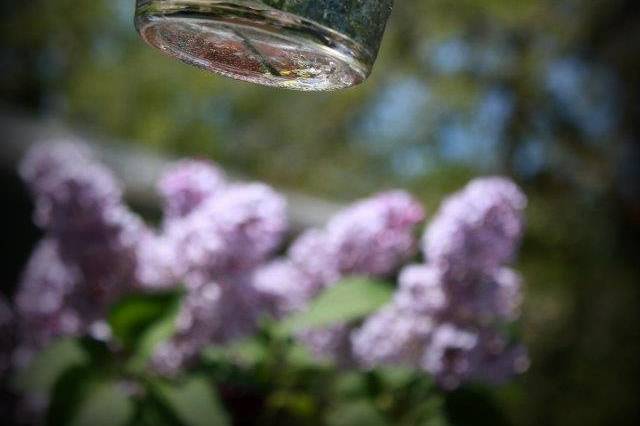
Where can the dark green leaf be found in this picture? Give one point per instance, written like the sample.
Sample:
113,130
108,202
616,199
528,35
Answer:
133,316
352,384
151,411
49,365
298,404
247,352
348,300
194,401
155,334
395,376
106,404
69,392
357,413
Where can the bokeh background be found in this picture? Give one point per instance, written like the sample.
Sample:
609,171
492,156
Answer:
544,91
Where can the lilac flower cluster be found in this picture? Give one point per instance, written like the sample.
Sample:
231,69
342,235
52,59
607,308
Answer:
214,239
444,314
88,257
224,246
219,240
221,235
372,238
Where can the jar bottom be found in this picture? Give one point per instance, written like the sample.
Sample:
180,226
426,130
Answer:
253,43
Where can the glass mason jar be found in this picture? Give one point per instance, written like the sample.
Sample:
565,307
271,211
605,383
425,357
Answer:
297,44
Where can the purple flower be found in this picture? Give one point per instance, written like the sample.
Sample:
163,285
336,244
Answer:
71,191
47,302
478,228
421,290
79,203
313,254
283,287
391,336
484,298
155,262
199,314
214,313
46,159
106,253
478,299
374,236
232,232
455,354
187,185
330,343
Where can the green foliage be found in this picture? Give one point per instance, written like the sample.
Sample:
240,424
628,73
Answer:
106,404
131,317
140,323
194,401
47,367
355,413
348,300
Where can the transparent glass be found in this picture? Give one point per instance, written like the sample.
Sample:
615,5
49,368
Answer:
296,44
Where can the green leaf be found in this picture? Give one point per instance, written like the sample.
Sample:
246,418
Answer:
133,316
395,377
296,403
151,412
350,385
361,412
348,300
156,334
194,401
105,405
428,412
141,322
69,392
299,356
49,365
248,351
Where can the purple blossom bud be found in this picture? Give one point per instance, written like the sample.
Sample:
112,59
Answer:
391,336
232,232
106,254
483,298
187,185
478,228
71,191
449,355
421,290
374,236
331,343
155,262
199,314
213,313
312,253
45,299
45,160
283,287
79,203
455,354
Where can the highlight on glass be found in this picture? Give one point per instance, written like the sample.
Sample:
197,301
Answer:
295,44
